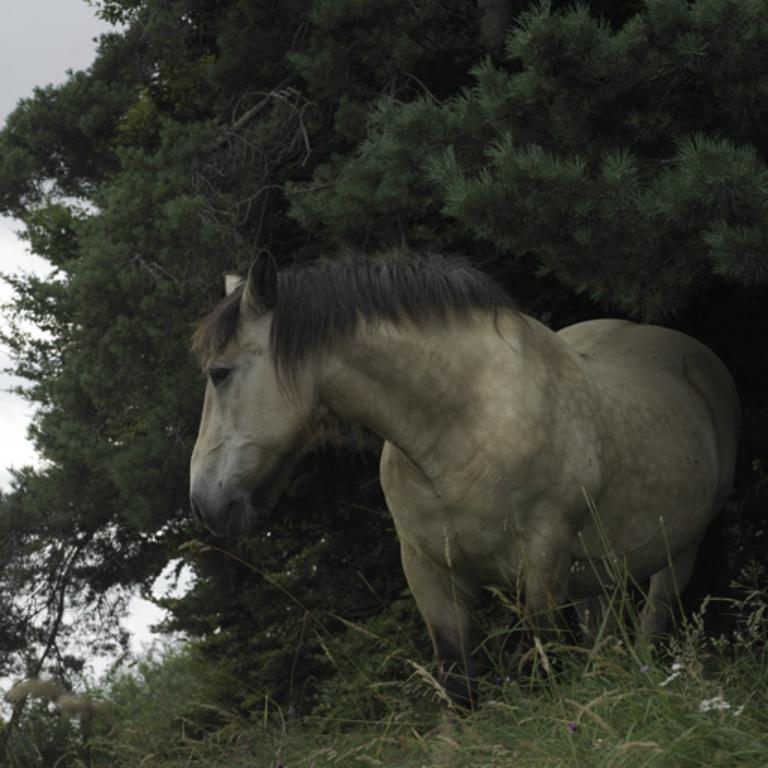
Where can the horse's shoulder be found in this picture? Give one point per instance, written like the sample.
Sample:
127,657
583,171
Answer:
400,474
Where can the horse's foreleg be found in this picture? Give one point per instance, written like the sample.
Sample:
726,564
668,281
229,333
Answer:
546,568
663,593
443,605
595,617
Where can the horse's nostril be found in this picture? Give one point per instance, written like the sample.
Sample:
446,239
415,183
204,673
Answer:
195,509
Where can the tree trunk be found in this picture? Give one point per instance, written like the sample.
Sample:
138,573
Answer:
494,19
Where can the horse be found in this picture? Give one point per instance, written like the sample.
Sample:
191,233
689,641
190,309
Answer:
501,437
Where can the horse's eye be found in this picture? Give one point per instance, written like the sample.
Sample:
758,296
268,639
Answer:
218,374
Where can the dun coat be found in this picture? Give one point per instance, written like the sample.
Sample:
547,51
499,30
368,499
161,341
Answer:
513,455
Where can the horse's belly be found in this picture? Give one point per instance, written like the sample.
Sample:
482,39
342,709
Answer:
646,519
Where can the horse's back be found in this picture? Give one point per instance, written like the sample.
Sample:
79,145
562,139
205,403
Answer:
649,352
638,346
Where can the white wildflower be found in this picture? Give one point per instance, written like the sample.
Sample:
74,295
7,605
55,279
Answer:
717,704
677,670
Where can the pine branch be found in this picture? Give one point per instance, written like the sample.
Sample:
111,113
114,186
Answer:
254,111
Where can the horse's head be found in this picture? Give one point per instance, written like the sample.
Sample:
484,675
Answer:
251,429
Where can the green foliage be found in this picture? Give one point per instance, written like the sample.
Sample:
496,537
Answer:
319,557
627,162
59,142
372,662
384,185
158,707
418,38
141,181
48,739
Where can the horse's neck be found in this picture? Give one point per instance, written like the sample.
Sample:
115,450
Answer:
415,385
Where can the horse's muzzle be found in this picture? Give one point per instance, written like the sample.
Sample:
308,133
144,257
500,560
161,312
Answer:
230,517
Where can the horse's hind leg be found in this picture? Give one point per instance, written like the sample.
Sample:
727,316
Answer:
664,592
443,606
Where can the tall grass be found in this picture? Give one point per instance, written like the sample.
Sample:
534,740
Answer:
695,701
688,708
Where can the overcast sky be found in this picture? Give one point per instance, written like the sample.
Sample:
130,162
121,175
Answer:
39,41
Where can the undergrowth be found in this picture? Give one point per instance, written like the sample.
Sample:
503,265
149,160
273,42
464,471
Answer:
695,701
602,709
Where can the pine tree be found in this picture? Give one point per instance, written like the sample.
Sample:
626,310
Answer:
141,181
627,161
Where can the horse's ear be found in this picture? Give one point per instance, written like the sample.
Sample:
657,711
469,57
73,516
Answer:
260,291
232,282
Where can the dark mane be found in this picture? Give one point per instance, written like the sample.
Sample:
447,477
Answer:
324,303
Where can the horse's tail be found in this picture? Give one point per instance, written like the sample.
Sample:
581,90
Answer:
714,384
